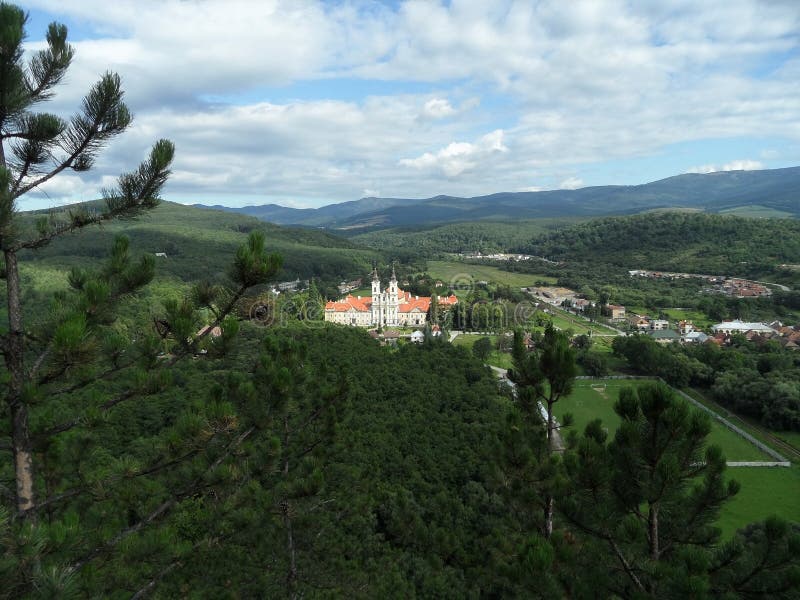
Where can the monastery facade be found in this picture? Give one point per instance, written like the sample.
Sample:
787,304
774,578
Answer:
391,307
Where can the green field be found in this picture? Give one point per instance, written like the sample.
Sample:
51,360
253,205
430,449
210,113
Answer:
595,399
792,437
700,319
757,211
496,358
460,273
564,320
765,491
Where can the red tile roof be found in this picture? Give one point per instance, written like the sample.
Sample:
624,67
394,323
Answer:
407,302
362,304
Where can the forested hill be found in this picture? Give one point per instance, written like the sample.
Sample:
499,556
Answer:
675,241
200,244
768,193
483,236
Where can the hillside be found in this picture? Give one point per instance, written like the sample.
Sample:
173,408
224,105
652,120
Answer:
685,242
199,243
483,236
774,192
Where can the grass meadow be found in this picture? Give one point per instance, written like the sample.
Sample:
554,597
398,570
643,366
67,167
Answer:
465,274
764,490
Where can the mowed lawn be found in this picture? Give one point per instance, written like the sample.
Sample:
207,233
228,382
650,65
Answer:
464,274
594,399
764,490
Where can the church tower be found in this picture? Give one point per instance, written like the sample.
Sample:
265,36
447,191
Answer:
377,304
392,301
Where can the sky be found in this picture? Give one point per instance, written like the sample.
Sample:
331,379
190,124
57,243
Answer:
305,103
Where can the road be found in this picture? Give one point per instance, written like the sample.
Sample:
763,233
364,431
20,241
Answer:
558,442
783,288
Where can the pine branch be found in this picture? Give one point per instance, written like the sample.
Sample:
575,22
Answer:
77,491
151,585
162,509
129,394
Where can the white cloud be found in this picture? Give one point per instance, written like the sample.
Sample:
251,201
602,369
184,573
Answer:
734,165
369,193
459,157
381,85
571,183
437,108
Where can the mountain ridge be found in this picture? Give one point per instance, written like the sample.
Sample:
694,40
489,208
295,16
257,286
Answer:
777,190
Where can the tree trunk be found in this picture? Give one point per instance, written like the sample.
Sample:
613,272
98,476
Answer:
291,576
652,519
20,436
548,501
548,516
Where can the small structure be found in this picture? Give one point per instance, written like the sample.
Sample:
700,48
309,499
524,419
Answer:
417,337
615,311
664,336
659,325
161,255
694,337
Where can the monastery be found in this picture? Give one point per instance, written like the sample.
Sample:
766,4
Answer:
391,307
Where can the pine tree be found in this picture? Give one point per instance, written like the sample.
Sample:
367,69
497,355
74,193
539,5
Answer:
34,147
545,375
80,492
651,496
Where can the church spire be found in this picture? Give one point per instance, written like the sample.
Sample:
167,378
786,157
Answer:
394,277
375,272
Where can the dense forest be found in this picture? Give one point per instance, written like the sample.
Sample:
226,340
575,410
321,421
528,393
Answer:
757,379
679,241
159,437
478,236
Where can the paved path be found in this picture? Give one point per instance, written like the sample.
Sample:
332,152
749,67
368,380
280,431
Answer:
558,442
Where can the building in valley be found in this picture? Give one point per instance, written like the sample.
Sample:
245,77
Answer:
390,307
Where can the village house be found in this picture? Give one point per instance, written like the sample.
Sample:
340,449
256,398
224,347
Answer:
659,325
694,337
664,336
615,311
581,304
392,307
639,322
349,286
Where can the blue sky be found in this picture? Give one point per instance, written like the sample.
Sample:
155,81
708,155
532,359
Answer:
306,103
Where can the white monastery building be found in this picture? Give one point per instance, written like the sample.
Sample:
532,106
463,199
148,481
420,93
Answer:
738,326
390,307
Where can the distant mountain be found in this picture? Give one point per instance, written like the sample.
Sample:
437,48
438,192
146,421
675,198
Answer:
774,192
284,215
